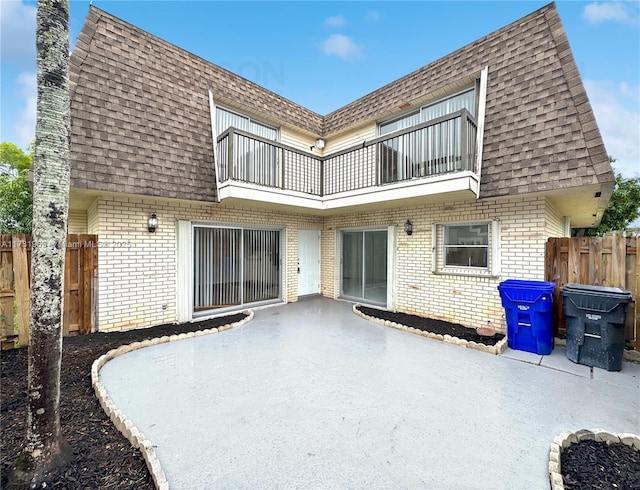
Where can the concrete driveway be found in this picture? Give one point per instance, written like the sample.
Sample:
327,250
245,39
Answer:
308,395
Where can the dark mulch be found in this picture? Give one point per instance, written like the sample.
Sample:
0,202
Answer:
434,326
103,458
590,465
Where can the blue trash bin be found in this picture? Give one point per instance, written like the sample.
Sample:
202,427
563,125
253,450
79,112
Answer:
528,307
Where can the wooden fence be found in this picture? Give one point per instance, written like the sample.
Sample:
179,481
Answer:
607,261
81,261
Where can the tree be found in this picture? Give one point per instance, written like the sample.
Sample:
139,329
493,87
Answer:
44,448
623,208
16,203
16,199
12,159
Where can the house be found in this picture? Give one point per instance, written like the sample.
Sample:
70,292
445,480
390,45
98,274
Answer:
419,197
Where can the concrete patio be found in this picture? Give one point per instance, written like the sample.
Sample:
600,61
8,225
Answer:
308,395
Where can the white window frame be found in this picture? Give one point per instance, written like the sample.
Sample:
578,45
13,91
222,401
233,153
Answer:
438,251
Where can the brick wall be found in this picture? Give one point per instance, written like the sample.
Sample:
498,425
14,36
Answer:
526,224
137,269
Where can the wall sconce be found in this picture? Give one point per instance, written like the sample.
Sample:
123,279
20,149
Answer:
152,223
408,228
319,144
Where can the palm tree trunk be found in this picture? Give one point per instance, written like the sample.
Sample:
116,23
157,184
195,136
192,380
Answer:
44,447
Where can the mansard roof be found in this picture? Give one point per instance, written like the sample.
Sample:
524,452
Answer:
141,122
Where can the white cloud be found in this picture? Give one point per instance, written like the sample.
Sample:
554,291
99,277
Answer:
18,32
335,21
618,116
26,121
372,16
611,11
341,46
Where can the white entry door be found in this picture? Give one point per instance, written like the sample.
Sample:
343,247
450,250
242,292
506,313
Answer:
308,262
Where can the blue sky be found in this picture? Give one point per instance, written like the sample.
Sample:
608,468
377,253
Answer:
324,55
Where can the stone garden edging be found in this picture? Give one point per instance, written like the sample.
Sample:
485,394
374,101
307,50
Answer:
120,420
566,438
497,349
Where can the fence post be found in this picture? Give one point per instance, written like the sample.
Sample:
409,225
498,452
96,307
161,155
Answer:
635,284
7,293
21,286
87,268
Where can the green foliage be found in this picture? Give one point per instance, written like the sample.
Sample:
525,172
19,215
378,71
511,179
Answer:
16,199
16,202
623,208
12,157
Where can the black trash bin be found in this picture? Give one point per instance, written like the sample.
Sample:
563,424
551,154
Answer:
596,317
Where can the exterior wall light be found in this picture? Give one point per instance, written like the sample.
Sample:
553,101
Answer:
408,228
319,144
152,223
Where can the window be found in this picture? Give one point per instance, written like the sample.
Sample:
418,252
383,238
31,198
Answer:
465,100
405,121
470,248
466,245
226,119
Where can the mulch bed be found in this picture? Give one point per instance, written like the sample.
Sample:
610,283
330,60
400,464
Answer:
589,465
434,326
103,458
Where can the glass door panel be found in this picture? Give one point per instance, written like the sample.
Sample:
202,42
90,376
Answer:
375,266
352,264
261,269
233,267
364,266
217,266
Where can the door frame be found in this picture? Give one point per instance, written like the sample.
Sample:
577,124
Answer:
391,263
316,235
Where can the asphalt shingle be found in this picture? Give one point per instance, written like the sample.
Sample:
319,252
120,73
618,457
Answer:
141,122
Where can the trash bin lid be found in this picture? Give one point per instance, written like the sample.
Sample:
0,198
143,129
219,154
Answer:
601,291
522,284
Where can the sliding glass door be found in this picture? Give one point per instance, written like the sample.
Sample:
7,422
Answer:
364,266
234,266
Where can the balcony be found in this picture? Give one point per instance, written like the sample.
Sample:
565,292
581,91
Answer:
435,157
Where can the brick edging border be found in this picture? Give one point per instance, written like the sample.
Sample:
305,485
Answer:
566,438
496,349
120,420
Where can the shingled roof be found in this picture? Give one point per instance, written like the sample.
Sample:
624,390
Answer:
141,123
540,131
